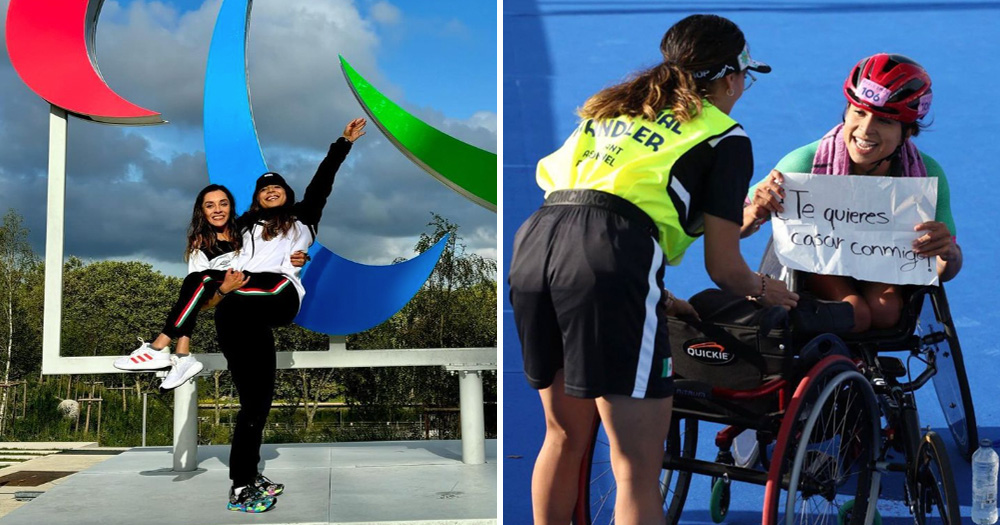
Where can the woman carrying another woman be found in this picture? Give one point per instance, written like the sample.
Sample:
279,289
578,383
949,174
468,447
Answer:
273,228
886,97
655,163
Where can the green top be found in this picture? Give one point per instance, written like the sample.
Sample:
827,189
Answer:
801,160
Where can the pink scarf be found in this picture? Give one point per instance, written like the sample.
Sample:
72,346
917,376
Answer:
832,157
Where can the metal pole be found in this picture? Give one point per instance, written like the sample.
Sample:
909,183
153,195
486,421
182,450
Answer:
470,383
143,419
54,229
186,427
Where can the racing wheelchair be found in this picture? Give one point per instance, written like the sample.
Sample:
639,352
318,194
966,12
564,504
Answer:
813,413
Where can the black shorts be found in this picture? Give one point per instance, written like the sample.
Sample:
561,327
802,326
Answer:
586,286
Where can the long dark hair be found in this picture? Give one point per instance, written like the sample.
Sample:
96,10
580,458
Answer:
277,221
695,43
201,234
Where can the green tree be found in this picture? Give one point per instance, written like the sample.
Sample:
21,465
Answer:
16,261
28,342
308,387
108,305
456,308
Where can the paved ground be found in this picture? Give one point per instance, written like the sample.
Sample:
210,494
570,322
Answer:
344,483
61,457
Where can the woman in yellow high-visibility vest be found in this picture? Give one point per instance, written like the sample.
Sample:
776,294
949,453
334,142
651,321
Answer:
655,163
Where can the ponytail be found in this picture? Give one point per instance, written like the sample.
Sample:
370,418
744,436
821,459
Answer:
692,44
646,94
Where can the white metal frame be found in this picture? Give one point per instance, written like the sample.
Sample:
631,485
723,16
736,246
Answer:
338,356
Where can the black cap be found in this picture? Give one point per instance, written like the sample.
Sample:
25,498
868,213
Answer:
274,179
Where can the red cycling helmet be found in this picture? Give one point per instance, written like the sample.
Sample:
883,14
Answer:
890,86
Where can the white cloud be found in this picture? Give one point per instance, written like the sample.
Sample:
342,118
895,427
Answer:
484,119
386,13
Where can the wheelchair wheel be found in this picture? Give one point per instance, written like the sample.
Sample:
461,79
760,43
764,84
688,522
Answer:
936,500
596,504
826,448
951,384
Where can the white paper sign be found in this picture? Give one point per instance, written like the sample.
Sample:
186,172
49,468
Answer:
856,226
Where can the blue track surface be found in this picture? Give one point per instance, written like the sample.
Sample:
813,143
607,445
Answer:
556,53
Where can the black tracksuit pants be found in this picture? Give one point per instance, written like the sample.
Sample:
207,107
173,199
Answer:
244,321
197,289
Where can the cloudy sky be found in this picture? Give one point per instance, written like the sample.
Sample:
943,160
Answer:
130,190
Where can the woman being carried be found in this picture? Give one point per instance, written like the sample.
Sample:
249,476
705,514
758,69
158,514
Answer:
886,94
212,245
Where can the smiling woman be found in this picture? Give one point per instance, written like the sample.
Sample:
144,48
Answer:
887,95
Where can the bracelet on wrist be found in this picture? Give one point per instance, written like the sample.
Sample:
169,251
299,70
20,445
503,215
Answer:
221,293
763,289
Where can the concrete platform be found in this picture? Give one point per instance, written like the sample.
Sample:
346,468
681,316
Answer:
343,483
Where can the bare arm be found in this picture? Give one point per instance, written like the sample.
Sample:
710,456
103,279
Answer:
726,267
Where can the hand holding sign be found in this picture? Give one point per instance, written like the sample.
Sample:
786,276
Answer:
767,199
768,196
862,227
938,240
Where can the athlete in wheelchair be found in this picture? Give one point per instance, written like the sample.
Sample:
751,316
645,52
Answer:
812,410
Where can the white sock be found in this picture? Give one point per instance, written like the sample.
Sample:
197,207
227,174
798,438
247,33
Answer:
237,490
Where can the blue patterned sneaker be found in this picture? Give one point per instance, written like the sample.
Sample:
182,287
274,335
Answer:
266,486
249,500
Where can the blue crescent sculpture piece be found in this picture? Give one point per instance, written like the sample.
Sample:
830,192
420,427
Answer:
342,297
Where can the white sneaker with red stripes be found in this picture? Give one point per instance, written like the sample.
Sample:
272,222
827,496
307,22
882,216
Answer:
145,358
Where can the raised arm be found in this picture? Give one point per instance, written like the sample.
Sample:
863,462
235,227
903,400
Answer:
310,209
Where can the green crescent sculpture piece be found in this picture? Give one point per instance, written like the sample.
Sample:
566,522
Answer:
469,170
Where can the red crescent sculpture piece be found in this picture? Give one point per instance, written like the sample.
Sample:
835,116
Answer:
51,46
